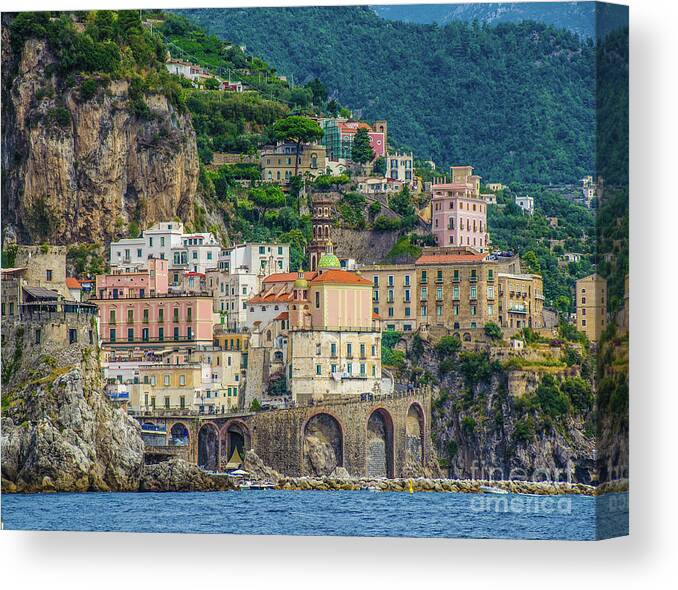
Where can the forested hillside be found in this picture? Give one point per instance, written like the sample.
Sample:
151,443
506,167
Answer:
515,100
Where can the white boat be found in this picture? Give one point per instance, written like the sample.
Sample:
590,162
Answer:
492,490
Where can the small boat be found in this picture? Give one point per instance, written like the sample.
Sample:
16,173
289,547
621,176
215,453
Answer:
492,490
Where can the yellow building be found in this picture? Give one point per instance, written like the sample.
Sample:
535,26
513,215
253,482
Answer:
334,343
167,386
521,301
394,295
591,293
278,163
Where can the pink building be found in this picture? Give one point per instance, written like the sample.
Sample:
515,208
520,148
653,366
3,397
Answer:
136,311
459,213
121,285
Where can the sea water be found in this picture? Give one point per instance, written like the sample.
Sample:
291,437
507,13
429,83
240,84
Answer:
348,513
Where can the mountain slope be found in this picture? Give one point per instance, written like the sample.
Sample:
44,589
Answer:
589,19
515,100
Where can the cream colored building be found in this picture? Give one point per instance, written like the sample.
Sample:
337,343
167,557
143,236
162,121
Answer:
394,295
591,293
521,301
334,346
278,163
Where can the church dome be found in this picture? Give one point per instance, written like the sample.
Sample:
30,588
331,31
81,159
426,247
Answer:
329,260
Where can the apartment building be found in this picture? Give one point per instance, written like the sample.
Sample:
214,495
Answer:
195,252
461,290
400,167
521,301
526,203
394,295
591,293
459,211
260,258
279,163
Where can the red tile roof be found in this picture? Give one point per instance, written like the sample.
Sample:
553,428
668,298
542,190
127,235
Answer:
450,258
284,277
340,277
73,283
283,315
271,298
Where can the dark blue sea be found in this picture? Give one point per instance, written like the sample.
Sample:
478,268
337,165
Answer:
348,513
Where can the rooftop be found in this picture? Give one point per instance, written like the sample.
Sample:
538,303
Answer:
73,283
450,259
340,277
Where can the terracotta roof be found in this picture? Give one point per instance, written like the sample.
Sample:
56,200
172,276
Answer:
282,277
341,277
73,283
450,258
283,315
271,298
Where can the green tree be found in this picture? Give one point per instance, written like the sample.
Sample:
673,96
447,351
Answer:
401,202
318,91
298,130
448,346
493,331
379,167
531,261
211,84
361,150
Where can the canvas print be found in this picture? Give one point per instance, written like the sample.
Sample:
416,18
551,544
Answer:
347,270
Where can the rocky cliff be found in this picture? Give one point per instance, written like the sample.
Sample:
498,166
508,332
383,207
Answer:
59,432
80,166
481,431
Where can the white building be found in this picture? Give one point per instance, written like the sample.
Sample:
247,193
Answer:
166,240
230,292
526,203
258,258
400,167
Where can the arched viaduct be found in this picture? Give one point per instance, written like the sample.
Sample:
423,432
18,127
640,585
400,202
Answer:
377,437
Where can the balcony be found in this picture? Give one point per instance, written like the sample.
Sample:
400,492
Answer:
518,309
473,279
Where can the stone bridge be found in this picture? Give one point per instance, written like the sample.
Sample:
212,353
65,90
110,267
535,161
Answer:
375,437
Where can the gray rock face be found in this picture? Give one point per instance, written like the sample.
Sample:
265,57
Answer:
61,434
257,469
177,475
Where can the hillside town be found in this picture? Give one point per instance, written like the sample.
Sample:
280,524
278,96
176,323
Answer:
186,324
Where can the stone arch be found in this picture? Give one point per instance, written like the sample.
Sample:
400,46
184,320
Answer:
179,435
380,452
235,435
323,444
208,447
467,337
415,427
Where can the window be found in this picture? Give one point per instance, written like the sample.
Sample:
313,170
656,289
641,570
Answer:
38,335
390,296
182,379
490,292
374,350
407,312
317,299
455,292
439,310
189,314
49,274
349,368
490,309
439,276
407,295
317,349
189,333
423,277
474,310
375,280
490,275
333,349
175,312
424,294
407,280
362,351
111,334
166,379
111,316
318,370
333,368
130,334
145,320
167,402
439,293
474,292
176,333
161,334
423,311
362,369
390,280
349,350
390,312
144,334
130,316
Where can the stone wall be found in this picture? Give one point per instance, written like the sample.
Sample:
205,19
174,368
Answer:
313,440
37,260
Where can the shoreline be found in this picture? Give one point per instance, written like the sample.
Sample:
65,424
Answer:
421,485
